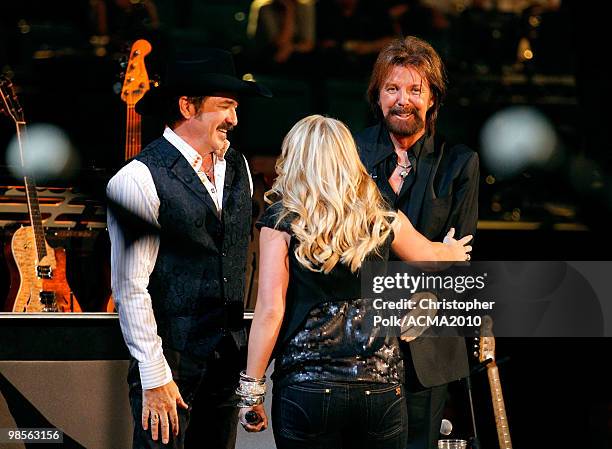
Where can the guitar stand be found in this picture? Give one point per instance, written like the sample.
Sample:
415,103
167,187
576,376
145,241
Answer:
482,366
474,442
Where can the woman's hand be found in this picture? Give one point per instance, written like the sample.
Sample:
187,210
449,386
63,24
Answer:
460,249
255,427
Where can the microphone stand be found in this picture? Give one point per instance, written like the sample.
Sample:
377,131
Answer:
474,441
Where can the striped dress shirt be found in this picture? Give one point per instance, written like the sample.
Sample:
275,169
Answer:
131,265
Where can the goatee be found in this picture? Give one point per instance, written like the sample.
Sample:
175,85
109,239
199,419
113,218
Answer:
403,128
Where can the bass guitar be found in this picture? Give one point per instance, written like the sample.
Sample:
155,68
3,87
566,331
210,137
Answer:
135,86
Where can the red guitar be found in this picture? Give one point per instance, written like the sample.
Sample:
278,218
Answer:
38,272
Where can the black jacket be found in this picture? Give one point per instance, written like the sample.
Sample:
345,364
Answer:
444,195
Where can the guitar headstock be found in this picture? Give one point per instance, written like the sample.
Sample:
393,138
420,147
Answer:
136,82
486,344
10,103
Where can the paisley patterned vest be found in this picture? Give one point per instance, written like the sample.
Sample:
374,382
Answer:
197,285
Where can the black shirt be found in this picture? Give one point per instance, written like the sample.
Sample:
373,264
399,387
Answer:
383,172
323,336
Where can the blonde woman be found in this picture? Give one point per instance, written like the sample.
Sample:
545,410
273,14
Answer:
334,385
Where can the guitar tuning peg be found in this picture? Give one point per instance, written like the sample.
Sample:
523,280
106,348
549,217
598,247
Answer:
475,354
117,88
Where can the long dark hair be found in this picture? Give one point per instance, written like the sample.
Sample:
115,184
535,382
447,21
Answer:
414,52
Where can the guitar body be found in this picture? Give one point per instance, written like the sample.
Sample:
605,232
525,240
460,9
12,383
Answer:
33,289
109,307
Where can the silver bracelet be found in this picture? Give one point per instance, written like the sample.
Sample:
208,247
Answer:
245,377
250,389
250,401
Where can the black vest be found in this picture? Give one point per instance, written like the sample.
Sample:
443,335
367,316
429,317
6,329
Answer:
197,285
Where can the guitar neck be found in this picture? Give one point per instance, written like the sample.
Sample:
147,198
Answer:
499,409
132,134
32,198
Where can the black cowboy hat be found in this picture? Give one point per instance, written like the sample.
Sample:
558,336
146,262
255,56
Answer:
205,72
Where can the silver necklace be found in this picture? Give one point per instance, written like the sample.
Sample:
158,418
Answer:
405,169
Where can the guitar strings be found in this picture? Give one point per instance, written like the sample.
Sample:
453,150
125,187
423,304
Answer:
132,136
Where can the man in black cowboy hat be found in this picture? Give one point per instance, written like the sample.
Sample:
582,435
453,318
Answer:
179,222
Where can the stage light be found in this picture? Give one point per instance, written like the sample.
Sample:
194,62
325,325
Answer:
516,138
47,153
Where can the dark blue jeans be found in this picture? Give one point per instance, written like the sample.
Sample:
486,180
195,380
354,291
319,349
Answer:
330,415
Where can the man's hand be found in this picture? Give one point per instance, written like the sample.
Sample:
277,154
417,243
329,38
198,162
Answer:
459,248
159,405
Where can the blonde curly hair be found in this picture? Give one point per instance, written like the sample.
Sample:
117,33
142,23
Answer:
337,212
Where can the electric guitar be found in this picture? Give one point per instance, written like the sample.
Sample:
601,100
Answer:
38,275
135,86
486,354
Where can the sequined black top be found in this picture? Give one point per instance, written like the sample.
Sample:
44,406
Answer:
324,335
